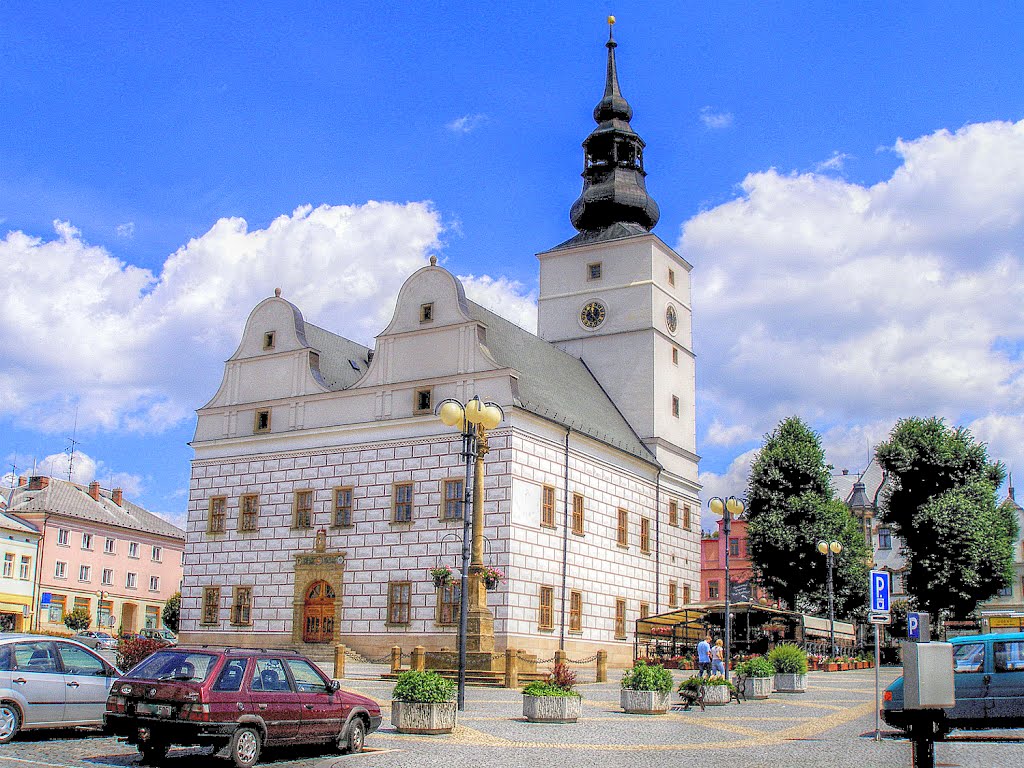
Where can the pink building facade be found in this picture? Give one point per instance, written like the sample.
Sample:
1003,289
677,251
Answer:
100,553
712,566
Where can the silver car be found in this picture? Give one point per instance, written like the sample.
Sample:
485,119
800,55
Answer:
48,682
103,641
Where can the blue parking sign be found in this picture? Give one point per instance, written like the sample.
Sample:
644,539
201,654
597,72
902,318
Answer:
880,591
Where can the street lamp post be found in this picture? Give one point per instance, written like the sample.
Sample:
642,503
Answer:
473,419
727,508
829,549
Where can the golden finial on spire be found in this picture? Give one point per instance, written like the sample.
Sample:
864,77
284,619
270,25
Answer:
611,21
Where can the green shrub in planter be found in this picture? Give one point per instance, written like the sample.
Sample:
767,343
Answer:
758,666
541,688
788,659
647,677
423,687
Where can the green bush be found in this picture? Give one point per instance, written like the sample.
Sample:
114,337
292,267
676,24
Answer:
423,688
788,659
694,683
542,688
130,651
758,666
78,620
647,677
172,612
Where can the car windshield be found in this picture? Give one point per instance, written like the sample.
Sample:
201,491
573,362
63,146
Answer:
103,636
175,665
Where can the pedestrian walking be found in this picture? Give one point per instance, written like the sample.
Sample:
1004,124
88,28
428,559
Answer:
718,658
704,656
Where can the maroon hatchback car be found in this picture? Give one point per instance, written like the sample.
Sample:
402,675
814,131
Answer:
235,700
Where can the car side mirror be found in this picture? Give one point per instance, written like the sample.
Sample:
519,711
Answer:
334,686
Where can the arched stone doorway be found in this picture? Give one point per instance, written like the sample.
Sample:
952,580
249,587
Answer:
318,613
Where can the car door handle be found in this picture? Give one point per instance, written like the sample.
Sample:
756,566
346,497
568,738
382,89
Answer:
308,706
72,684
986,679
20,680
262,706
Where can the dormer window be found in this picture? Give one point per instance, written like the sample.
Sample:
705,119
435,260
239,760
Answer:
422,400
594,271
427,313
268,340
262,422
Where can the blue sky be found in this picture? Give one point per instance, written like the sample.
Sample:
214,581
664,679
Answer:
845,178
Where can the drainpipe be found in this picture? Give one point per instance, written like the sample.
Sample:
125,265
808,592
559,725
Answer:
36,610
657,543
565,543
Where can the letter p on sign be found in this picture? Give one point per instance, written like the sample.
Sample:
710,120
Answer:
880,591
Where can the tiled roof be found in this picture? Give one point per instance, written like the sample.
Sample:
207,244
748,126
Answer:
556,385
61,497
342,362
13,524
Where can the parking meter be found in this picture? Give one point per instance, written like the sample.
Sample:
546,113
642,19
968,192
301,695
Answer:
927,675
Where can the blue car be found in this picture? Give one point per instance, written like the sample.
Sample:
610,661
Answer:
988,683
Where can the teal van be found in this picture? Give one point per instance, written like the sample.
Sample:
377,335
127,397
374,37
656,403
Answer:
988,682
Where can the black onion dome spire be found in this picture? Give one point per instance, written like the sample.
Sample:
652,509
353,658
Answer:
614,190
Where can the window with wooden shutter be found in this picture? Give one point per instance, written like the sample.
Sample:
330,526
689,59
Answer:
577,514
645,535
547,507
673,512
622,530
575,611
399,602
620,619
546,615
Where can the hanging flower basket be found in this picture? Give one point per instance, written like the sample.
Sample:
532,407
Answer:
492,577
442,576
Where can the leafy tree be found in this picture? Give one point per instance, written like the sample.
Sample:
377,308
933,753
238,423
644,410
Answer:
790,508
78,620
941,501
172,612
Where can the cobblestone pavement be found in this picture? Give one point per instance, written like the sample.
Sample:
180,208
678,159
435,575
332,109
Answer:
830,725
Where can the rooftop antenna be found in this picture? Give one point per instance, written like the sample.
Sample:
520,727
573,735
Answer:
72,442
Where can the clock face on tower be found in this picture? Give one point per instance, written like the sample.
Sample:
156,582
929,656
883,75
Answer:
593,314
671,321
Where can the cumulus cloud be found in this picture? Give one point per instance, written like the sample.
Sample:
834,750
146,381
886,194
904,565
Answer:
466,123
504,297
126,230
853,306
732,482
715,120
834,163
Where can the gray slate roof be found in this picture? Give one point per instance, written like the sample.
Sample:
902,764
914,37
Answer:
616,231
61,497
556,385
14,524
336,352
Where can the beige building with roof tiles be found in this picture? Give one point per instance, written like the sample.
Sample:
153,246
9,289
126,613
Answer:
98,552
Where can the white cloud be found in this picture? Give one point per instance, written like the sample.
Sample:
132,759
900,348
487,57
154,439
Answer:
503,297
126,230
714,120
834,163
466,123
732,482
853,306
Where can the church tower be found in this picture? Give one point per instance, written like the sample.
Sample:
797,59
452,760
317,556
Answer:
618,298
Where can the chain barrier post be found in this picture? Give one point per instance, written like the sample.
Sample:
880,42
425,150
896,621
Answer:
511,668
339,661
602,666
396,659
419,658
560,656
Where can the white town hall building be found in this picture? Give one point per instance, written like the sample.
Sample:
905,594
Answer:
324,489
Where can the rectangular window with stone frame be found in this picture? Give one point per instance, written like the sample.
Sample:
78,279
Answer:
712,590
454,499
216,522
645,610
620,619
673,594
401,503
577,514
303,509
211,606
547,507
686,594
645,535
575,611
249,512
546,612
673,512
261,421
622,529
687,516
399,602
343,508
422,401
448,598
241,607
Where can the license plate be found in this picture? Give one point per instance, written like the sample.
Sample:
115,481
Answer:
160,710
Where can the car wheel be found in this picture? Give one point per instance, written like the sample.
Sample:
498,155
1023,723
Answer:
352,739
10,721
153,752
245,747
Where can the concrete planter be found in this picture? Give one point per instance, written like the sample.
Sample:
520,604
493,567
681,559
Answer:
790,683
417,717
716,695
552,709
759,687
645,702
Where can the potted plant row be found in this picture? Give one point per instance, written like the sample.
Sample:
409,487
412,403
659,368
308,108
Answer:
717,690
423,702
646,689
553,699
757,675
790,665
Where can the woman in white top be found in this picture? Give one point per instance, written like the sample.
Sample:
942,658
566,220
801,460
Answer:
718,658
